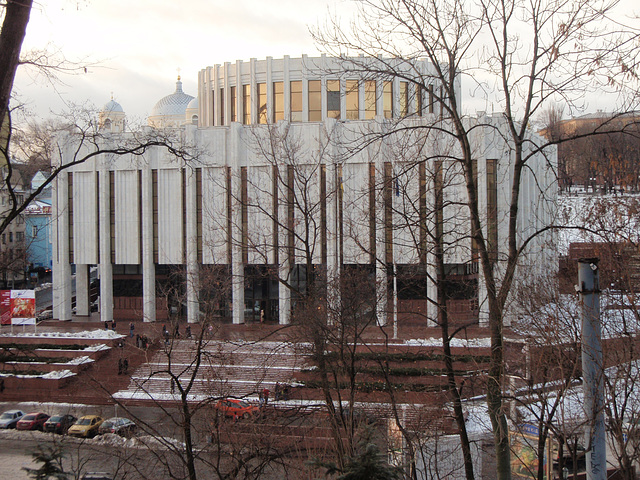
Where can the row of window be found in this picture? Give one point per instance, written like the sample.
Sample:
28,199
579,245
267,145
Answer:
19,237
423,101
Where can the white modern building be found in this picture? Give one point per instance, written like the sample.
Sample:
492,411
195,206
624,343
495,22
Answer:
299,172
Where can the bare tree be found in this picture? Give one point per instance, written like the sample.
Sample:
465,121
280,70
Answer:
567,53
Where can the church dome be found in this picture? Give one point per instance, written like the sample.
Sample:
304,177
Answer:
111,118
170,110
112,106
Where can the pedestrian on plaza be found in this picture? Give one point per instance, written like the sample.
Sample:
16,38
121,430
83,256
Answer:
137,340
113,325
261,399
277,392
187,331
106,325
173,386
265,395
125,366
177,331
164,330
131,329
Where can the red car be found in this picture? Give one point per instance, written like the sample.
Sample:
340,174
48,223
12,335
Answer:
232,407
32,421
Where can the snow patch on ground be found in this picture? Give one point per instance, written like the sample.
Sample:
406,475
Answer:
47,376
96,348
143,441
91,334
455,342
79,360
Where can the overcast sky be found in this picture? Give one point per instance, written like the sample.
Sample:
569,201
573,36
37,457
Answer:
134,48
139,45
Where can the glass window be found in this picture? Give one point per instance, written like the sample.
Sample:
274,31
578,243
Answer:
10,237
315,101
296,101
431,99
419,100
278,101
353,100
262,103
404,99
370,98
387,99
246,104
234,98
34,231
222,106
333,98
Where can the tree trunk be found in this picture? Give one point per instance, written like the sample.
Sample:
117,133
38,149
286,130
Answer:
14,28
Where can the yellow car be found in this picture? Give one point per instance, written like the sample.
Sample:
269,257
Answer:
86,426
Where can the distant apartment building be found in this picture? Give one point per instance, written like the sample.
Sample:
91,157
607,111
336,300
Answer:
13,243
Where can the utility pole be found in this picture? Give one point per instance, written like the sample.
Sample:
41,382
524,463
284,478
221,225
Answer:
592,368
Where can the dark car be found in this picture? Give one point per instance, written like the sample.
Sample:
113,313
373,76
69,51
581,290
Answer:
118,425
10,418
32,421
59,423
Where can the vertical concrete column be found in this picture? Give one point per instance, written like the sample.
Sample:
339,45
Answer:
237,265
382,291
82,290
193,271
431,270
148,267
56,271
104,224
284,250
305,90
334,242
61,268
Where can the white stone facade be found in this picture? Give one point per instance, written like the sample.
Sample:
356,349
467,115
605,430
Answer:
320,182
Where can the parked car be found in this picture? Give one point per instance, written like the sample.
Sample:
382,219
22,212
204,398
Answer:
59,423
86,426
118,425
32,421
10,418
232,407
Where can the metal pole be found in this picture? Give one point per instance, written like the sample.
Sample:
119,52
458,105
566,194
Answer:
592,368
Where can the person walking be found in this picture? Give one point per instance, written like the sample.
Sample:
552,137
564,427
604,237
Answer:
132,327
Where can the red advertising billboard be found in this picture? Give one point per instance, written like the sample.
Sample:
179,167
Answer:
18,307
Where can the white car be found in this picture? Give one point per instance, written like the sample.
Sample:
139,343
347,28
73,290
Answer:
10,418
